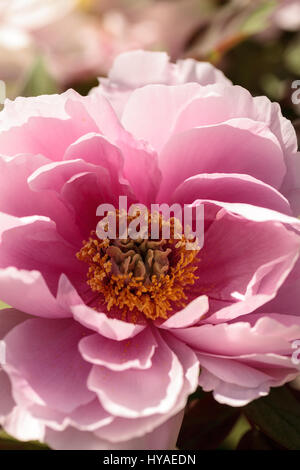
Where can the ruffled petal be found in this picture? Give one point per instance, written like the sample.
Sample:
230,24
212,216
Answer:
237,146
250,260
133,353
58,378
32,243
164,437
111,328
31,125
147,68
122,429
156,389
188,316
28,291
230,187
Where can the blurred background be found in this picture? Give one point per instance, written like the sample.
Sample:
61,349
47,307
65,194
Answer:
47,46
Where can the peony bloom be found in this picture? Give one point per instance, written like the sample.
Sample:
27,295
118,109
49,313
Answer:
88,364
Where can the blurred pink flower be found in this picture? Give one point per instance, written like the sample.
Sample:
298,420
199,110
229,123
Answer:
287,15
117,27
77,43
81,375
19,19
152,23
74,48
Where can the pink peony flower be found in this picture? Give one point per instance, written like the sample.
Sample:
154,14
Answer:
20,20
88,364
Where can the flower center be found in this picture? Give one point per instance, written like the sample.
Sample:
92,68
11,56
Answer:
141,276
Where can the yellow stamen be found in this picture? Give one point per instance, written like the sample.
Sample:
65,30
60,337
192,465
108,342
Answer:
152,295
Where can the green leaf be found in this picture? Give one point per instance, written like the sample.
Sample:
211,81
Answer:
256,440
277,416
232,440
292,57
39,81
258,19
3,305
273,86
206,423
9,443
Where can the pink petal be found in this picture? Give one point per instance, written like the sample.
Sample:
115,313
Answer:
54,175
239,188
250,261
138,68
237,382
188,316
239,338
121,429
32,243
58,379
150,111
241,361
20,200
111,328
230,394
213,149
287,299
163,437
148,68
22,426
156,389
9,318
7,402
139,158
135,353
231,371
28,291
84,192
214,105
96,149
32,125
190,70
88,417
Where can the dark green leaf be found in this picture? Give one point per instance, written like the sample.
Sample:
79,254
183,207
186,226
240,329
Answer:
256,440
9,443
206,423
277,416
